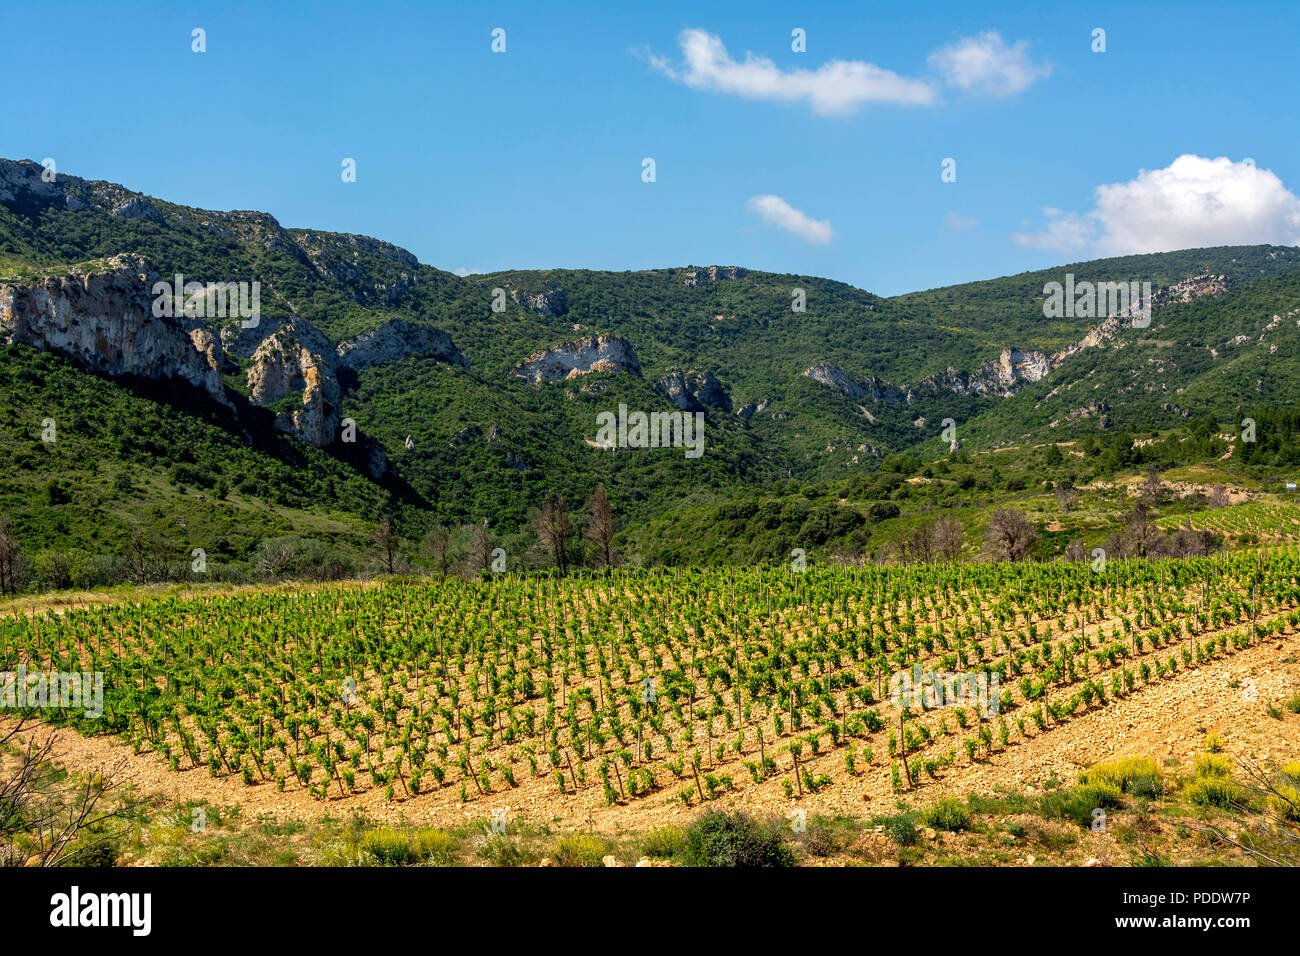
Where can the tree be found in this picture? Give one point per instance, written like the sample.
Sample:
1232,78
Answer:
918,545
388,542
8,558
1066,496
480,552
1053,455
1219,496
437,546
1141,530
949,537
1009,535
1152,488
140,557
554,528
601,528
49,818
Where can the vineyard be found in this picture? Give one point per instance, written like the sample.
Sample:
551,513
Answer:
638,688
1262,521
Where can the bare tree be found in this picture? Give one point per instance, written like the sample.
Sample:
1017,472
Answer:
141,557
1066,495
1009,535
48,818
1152,487
601,527
437,545
1270,807
918,544
387,542
1074,551
949,537
8,558
554,528
1141,531
1219,496
480,552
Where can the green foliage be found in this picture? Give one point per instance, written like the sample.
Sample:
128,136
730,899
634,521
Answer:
735,840
947,814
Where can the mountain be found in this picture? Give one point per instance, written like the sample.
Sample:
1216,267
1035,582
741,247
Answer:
447,399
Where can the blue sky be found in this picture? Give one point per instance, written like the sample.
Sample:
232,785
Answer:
532,158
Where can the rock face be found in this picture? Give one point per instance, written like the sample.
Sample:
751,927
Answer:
103,321
23,185
873,388
396,340
553,302
285,366
694,391
1014,367
1000,376
601,353
714,273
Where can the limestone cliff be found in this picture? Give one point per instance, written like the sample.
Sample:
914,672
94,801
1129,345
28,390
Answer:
398,339
102,319
694,391
600,353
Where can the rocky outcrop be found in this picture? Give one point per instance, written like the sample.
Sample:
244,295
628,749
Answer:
600,353
694,391
24,186
103,321
552,303
693,277
1014,367
283,366
289,359
999,376
832,376
1191,288
395,340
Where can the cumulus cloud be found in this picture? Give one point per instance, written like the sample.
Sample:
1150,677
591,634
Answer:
984,64
836,87
778,212
1191,203
465,271
955,220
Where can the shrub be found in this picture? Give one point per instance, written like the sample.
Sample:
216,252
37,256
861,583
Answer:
1211,765
1137,775
947,814
578,849
1286,802
1214,791
663,842
735,840
503,851
388,847
901,830
392,847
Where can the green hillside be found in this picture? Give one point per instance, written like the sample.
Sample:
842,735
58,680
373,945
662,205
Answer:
479,444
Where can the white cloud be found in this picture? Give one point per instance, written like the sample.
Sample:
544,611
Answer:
955,220
836,87
1192,203
984,64
463,271
778,212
